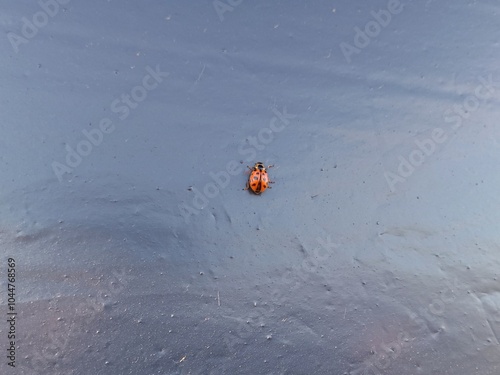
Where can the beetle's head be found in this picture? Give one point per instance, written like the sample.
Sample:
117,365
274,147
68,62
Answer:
259,165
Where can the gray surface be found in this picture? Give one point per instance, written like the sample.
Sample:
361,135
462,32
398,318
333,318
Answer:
333,271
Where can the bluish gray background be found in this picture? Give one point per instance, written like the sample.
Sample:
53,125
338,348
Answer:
331,271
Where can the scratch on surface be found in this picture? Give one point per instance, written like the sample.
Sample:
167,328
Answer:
183,359
201,73
493,331
407,231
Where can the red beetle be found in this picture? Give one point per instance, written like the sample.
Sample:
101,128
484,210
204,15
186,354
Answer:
258,180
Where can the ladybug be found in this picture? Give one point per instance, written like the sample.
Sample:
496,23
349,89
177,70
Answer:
258,180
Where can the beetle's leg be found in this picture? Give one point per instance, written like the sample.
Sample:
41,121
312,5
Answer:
270,166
